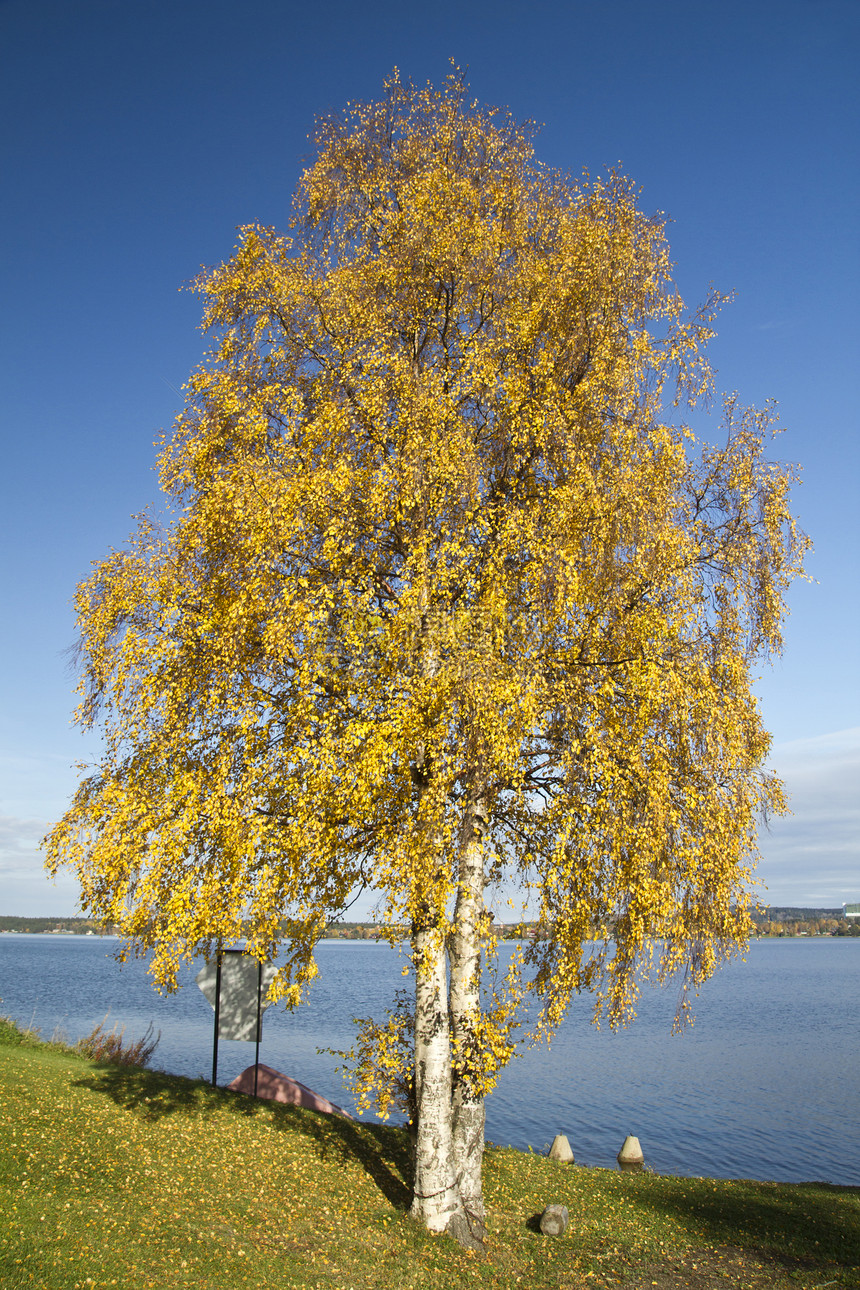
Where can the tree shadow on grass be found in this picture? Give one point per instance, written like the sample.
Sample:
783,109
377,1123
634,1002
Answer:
793,1222
383,1152
726,1268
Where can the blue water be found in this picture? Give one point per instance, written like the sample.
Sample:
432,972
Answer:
765,1085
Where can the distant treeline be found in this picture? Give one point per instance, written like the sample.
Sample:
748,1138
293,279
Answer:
771,920
785,913
804,922
81,926
792,920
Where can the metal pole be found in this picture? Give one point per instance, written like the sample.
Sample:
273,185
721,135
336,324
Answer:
217,1018
259,1007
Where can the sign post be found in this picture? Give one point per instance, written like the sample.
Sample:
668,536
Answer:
259,1024
233,984
217,1018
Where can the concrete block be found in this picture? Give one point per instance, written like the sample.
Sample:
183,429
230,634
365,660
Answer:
560,1150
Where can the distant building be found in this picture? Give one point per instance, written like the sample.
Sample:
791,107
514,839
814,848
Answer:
851,911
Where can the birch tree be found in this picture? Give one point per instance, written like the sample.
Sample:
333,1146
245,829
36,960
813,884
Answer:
451,596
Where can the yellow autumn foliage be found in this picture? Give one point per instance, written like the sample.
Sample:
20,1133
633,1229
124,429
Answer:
439,529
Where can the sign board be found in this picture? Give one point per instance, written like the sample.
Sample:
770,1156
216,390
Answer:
242,988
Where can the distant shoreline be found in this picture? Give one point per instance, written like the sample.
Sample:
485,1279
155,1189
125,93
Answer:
771,921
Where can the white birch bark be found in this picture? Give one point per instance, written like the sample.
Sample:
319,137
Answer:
465,1004
436,1198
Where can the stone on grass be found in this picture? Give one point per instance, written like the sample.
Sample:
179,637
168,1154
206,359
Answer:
275,1087
554,1220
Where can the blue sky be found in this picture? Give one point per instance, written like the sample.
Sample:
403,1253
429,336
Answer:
137,136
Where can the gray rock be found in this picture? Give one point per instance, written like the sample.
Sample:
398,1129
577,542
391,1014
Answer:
554,1220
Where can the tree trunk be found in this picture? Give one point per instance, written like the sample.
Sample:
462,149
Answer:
436,1199
465,1003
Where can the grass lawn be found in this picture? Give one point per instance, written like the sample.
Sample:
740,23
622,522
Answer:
117,1176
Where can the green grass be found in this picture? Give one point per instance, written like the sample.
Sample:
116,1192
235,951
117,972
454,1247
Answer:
117,1176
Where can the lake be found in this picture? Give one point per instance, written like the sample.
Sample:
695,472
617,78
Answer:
765,1085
